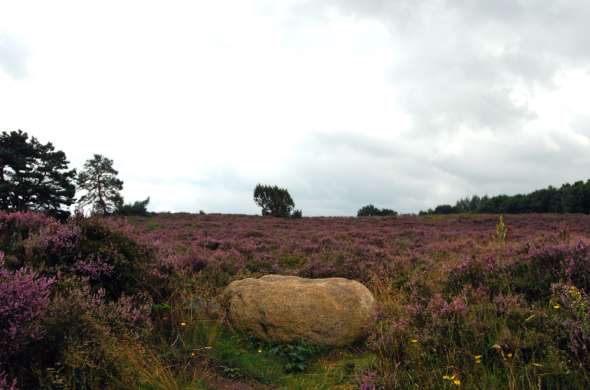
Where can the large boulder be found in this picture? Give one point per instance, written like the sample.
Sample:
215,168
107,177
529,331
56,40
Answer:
333,311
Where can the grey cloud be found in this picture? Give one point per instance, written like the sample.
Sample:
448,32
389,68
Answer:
458,62
520,166
581,125
457,65
13,56
336,174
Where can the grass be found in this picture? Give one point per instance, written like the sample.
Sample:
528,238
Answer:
289,366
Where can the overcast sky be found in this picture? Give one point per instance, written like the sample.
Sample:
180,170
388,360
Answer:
401,103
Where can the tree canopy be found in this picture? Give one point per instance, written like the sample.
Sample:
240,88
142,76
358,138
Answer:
372,211
274,201
136,208
101,185
34,176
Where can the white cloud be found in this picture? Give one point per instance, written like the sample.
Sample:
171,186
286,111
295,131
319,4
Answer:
13,56
401,104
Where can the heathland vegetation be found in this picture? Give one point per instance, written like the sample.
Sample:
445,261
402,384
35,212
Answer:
117,297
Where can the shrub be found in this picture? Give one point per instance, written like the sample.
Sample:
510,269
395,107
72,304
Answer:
527,271
16,228
542,267
89,247
74,305
112,259
84,340
444,209
138,208
24,297
571,308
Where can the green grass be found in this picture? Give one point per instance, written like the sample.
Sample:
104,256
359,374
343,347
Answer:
237,356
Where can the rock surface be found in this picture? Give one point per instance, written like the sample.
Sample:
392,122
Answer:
333,311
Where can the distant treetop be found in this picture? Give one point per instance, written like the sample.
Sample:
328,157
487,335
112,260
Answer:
372,211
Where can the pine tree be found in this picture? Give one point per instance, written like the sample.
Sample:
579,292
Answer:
101,185
34,176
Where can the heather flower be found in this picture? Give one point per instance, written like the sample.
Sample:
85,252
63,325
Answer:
24,297
129,313
95,268
54,242
5,383
575,318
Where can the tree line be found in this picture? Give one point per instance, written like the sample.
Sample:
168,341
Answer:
36,177
569,198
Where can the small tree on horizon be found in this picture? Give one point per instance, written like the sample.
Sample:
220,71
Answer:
99,180
137,208
274,201
372,211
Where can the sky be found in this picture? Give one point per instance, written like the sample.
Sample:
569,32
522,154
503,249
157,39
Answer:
397,103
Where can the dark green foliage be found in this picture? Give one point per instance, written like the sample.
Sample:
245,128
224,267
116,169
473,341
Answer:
34,176
102,187
372,211
137,208
444,209
296,214
296,355
274,201
570,198
236,356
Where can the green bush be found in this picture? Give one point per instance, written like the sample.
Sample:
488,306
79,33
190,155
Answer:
137,208
372,211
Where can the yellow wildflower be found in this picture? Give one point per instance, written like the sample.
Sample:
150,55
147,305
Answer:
457,382
413,341
259,350
183,323
556,306
509,354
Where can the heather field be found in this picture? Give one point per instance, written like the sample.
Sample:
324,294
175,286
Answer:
465,301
